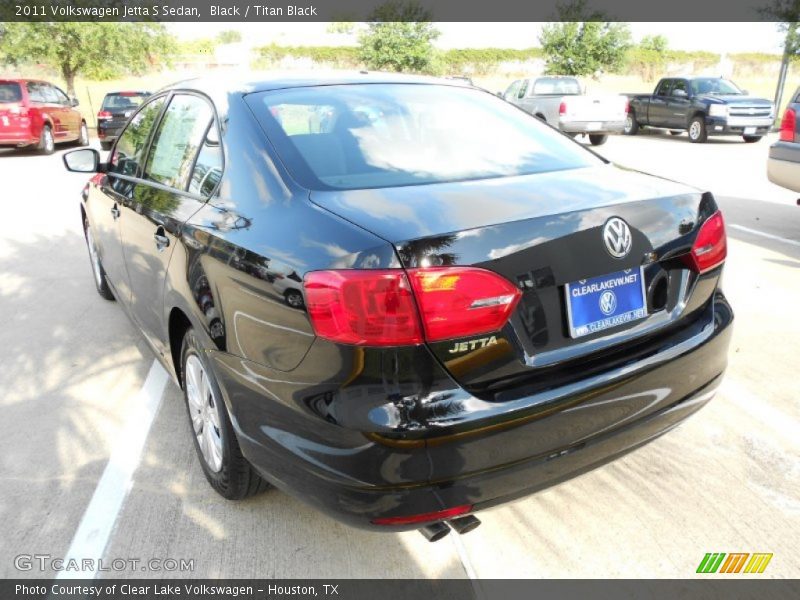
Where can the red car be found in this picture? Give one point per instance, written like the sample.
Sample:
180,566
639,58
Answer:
37,113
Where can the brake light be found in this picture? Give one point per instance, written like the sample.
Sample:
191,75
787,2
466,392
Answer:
439,515
103,115
562,109
710,247
627,105
391,308
788,125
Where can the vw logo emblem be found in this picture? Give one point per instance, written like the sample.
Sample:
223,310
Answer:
608,302
617,236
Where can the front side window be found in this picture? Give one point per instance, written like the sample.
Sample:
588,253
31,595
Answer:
382,135
512,90
132,144
180,135
58,96
680,84
522,89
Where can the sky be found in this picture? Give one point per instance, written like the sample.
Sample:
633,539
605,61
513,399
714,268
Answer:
714,37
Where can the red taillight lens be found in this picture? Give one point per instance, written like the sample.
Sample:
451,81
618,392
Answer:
458,302
378,308
103,115
439,515
788,125
371,307
711,246
562,109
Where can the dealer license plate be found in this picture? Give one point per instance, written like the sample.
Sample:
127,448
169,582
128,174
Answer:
606,301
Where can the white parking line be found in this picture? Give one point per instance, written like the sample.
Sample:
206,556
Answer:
98,521
766,235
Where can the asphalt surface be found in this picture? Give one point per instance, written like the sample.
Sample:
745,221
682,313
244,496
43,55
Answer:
74,410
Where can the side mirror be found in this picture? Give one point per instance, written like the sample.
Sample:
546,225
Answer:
85,160
680,93
74,102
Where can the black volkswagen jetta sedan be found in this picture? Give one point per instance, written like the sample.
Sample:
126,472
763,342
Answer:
401,299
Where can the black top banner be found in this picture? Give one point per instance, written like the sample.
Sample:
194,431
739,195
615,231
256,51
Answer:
433,10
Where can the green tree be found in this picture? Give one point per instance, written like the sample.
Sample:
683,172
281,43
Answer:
399,37
654,43
229,36
97,50
581,43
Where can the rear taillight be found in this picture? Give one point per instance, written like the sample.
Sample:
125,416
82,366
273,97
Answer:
788,125
458,302
103,115
562,109
710,247
379,308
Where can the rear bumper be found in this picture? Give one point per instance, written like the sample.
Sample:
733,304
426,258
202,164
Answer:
109,132
17,138
592,127
524,446
783,165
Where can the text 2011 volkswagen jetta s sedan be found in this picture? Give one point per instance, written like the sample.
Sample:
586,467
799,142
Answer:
401,299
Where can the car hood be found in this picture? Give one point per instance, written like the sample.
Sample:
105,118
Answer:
735,99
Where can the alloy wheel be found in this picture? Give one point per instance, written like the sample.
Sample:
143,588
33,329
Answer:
94,257
204,413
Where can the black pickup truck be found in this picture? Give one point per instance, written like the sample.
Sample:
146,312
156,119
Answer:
702,106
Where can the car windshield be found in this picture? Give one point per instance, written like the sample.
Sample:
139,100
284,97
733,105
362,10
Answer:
384,135
124,100
10,92
556,85
713,85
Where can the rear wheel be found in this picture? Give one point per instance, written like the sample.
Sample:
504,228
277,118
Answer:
631,125
697,130
100,281
598,139
47,144
752,139
215,443
294,298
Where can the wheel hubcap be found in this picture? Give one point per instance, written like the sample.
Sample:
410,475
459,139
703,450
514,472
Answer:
628,123
84,134
204,413
48,140
694,130
94,257
295,300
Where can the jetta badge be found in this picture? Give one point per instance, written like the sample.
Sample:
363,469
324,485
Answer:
617,236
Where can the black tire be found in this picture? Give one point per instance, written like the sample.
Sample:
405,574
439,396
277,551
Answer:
752,139
697,130
631,124
47,144
235,478
83,136
98,273
598,139
294,298
675,132
106,145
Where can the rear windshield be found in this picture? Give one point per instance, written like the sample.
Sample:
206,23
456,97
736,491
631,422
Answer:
384,135
10,92
555,85
124,100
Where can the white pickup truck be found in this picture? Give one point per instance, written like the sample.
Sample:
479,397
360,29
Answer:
560,101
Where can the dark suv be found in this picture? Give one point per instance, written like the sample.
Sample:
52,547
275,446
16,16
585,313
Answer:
38,114
115,111
481,312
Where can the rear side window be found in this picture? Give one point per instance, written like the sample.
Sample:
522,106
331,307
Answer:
554,85
10,92
207,170
36,92
131,146
384,135
123,101
177,141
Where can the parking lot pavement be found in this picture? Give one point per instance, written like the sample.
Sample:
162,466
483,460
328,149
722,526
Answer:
73,367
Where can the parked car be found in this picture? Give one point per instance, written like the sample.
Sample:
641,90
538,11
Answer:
561,102
702,106
38,114
783,165
488,310
115,111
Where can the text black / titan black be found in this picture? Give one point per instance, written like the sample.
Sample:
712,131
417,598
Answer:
400,299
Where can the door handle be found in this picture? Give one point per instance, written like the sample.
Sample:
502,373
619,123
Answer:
115,211
162,241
